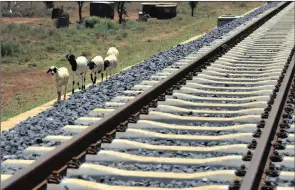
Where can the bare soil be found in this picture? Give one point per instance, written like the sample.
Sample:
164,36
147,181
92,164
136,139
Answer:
14,83
19,20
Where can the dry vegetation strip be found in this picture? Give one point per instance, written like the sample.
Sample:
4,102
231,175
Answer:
34,44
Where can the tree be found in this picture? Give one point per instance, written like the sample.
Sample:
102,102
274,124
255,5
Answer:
49,4
9,5
80,4
193,5
121,9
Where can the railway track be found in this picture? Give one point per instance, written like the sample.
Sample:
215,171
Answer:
204,123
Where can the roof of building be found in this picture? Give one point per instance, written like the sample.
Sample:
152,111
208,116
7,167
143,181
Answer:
103,2
170,5
157,4
228,16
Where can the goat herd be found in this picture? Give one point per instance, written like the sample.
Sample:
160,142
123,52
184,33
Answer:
80,66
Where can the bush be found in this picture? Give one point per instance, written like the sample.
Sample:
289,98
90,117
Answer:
121,35
240,4
6,13
15,28
124,34
65,14
91,21
130,24
26,12
140,28
179,18
10,48
106,27
50,47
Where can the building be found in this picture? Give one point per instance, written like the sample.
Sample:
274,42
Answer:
224,19
102,9
166,11
160,10
149,8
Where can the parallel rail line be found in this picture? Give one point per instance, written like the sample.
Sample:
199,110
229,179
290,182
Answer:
220,108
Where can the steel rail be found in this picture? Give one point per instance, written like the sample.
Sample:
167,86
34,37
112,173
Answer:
254,173
37,172
269,169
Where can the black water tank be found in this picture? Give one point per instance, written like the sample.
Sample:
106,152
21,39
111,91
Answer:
102,9
62,22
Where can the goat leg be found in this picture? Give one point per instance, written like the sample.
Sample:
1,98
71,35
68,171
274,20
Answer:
101,76
58,96
65,93
92,78
81,83
73,87
84,82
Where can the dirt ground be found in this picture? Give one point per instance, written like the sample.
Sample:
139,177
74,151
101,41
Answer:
19,20
24,82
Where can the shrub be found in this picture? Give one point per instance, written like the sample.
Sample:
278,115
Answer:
140,28
106,27
240,4
91,21
26,12
130,24
50,47
179,18
10,48
123,34
15,28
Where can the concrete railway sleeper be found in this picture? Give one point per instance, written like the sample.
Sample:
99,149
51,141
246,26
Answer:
196,125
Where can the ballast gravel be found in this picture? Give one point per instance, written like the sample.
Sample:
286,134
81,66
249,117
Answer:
152,183
157,141
30,131
284,183
216,101
176,168
174,154
184,132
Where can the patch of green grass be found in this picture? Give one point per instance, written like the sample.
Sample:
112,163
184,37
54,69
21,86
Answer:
136,41
23,102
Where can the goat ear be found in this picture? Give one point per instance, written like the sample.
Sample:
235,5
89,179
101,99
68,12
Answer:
49,70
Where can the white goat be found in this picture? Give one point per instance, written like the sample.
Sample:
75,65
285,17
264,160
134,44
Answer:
113,51
61,77
79,68
96,65
111,63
